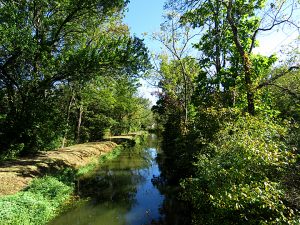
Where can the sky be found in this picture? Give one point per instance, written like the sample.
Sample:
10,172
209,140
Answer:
145,16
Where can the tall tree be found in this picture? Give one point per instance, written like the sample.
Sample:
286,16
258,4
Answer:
177,40
231,29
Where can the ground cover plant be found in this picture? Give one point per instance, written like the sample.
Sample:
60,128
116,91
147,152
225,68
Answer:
39,203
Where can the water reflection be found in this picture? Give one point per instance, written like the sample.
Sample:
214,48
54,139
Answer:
121,192
174,210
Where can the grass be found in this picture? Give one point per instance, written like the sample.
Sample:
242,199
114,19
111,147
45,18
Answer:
45,197
37,205
92,166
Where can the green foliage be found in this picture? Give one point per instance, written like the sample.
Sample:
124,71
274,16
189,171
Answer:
51,54
235,167
112,105
13,153
285,94
238,175
37,205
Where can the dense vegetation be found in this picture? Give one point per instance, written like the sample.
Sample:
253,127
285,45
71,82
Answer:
37,205
69,72
229,117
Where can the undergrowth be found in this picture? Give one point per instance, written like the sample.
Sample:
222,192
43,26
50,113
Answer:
39,203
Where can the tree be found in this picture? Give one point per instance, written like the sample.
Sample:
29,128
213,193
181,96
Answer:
176,40
46,45
232,28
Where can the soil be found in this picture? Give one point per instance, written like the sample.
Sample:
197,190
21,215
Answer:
15,175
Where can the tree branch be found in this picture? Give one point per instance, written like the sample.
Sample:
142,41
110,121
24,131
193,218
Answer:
272,79
275,23
290,92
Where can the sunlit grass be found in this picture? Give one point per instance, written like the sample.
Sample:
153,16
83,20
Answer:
37,205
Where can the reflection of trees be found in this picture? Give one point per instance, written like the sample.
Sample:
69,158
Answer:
111,186
175,161
173,210
114,185
116,180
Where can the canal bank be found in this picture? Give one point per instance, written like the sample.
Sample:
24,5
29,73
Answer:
56,171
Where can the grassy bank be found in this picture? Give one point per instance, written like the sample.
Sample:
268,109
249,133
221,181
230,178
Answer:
36,205
103,158
45,197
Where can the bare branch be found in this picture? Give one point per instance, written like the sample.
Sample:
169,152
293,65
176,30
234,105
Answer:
275,22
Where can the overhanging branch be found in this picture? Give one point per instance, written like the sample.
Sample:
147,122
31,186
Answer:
272,79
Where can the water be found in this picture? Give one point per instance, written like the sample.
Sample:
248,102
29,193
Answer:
125,191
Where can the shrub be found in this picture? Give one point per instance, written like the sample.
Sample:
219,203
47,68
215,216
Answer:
238,176
51,189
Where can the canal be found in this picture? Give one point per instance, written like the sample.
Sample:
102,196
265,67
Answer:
128,190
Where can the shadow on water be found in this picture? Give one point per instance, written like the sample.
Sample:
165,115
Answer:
127,191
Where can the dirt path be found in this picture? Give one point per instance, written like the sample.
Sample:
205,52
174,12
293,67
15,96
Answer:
16,175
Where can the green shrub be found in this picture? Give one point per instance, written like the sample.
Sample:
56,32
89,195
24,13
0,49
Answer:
36,205
51,189
13,152
238,176
25,208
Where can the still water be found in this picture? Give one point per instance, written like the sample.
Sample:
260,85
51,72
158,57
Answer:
125,191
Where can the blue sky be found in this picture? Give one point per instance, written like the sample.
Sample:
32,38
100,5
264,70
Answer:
145,16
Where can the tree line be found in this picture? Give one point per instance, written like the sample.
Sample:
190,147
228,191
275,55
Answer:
229,117
69,73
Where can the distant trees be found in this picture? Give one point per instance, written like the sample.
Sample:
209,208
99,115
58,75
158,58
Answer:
52,56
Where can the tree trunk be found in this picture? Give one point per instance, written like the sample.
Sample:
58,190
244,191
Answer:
80,112
185,78
68,120
217,38
245,59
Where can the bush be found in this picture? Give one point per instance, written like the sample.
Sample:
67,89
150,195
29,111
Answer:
238,176
51,189
36,205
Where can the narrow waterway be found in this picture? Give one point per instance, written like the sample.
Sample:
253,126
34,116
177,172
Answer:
126,191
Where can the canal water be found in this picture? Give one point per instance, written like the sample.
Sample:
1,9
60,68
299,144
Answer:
128,190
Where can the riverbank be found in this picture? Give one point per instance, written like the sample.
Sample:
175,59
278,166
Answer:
46,197
15,175
35,190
